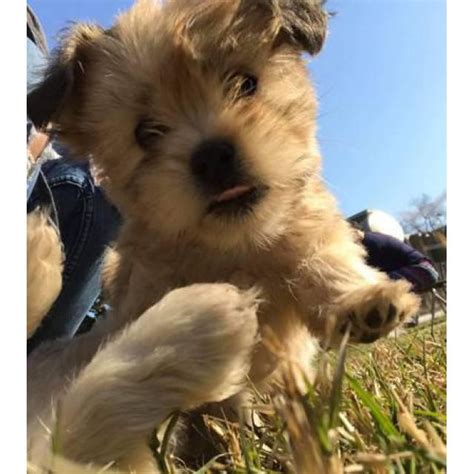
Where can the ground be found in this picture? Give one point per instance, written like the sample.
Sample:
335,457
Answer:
379,408
375,409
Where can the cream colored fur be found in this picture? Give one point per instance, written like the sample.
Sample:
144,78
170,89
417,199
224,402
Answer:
191,348
179,65
44,268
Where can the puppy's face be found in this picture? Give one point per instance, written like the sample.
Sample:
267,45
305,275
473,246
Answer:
199,114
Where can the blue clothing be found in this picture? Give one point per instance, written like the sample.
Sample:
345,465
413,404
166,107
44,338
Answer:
399,260
87,222
388,253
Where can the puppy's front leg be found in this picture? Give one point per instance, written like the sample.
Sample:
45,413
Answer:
336,289
191,348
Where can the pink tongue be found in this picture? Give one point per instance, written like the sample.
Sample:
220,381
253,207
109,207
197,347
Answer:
232,193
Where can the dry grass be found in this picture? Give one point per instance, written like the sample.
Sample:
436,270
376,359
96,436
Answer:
374,409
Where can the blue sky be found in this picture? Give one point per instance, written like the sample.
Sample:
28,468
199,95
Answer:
381,80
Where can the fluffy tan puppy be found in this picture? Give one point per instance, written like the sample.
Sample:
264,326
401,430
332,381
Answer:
200,117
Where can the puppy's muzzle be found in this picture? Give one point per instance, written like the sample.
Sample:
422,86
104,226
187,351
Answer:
218,174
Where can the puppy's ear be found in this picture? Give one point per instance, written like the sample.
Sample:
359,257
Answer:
64,75
303,24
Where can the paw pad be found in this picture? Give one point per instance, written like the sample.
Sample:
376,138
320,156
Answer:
373,319
392,312
367,338
373,311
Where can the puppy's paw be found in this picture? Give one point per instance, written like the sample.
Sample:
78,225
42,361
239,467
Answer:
214,329
44,268
191,348
205,331
374,311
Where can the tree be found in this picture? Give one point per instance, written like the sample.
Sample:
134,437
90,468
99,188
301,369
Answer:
426,214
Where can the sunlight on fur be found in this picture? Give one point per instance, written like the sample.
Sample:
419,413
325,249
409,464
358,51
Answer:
44,268
200,117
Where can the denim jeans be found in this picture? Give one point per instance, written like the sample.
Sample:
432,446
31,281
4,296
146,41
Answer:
87,223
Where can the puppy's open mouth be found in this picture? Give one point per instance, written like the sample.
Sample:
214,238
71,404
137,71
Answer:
236,200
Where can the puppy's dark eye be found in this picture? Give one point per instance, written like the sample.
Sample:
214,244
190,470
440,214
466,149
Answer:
148,132
248,85
240,86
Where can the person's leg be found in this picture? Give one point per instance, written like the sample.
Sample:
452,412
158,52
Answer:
87,223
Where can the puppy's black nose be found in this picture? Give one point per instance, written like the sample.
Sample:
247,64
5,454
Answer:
214,165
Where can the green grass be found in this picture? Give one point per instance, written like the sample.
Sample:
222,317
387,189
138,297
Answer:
378,408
